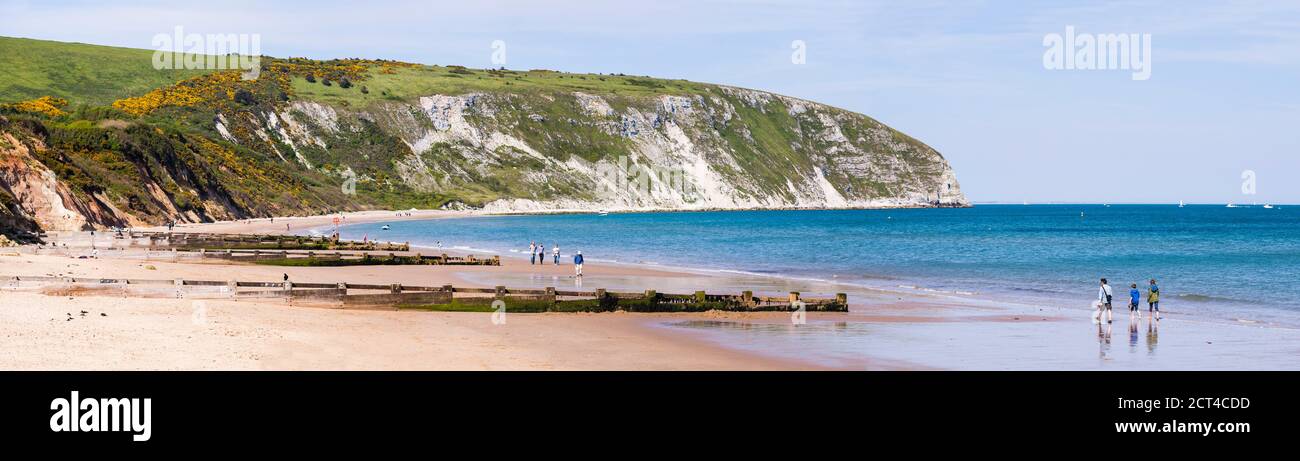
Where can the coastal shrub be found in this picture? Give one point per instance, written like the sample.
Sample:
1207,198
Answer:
311,78
345,83
46,105
245,97
326,82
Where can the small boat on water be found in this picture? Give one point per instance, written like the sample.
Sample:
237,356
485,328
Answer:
1181,204
1231,205
384,228
1267,206
603,213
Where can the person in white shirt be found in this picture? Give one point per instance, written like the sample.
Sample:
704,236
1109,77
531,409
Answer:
555,249
1104,296
532,253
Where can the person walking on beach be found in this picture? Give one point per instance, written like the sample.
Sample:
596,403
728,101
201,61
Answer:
1133,297
1153,300
541,254
1104,296
577,263
532,253
556,250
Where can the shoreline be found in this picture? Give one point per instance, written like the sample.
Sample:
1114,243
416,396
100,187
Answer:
710,340
264,225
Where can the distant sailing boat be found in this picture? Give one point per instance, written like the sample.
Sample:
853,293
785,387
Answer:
1181,204
1231,205
1267,206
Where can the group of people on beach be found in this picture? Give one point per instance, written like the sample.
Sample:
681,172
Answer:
537,255
1105,295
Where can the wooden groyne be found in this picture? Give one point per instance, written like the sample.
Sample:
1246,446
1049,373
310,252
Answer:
197,240
346,258
306,258
256,241
445,297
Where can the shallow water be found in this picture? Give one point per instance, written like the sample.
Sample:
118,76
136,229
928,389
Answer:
1071,344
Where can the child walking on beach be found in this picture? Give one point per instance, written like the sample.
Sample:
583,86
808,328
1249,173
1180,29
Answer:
1133,297
555,248
1153,300
541,254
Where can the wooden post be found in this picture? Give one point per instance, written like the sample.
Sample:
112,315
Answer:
550,296
443,261
501,292
794,296
395,288
748,299
842,299
699,296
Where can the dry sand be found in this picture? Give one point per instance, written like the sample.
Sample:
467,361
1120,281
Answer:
160,333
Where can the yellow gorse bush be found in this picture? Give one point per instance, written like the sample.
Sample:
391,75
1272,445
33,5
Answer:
47,105
218,89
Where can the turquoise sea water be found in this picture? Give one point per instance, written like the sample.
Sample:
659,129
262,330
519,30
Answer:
1211,261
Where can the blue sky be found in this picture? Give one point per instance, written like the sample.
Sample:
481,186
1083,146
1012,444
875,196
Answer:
965,77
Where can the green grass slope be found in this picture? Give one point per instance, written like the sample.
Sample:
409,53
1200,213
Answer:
83,74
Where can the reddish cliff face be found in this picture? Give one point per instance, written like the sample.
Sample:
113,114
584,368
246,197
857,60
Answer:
36,198
57,175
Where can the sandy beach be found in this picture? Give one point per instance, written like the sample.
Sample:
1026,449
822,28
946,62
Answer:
46,328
